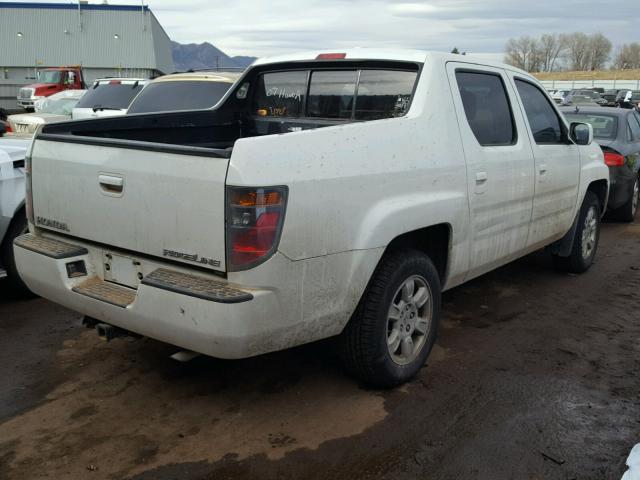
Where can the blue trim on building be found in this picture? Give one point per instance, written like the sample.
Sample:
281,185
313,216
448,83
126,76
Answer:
72,6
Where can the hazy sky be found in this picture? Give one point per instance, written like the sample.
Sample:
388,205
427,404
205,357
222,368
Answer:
267,27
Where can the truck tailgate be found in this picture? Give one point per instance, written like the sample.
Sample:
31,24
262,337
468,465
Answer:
164,202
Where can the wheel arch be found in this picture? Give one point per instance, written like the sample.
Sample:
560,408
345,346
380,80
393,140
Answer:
434,241
601,190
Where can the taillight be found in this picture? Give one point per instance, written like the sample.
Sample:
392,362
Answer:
7,128
115,82
254,222
613,159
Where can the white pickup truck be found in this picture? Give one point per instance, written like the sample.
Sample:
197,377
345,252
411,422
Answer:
326,194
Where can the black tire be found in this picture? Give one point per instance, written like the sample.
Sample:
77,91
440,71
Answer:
363,343
579,260
17,227
627,212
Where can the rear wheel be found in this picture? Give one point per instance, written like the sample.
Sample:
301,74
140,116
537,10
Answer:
394,327
585,242
627,213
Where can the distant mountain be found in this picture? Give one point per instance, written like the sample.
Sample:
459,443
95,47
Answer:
193,56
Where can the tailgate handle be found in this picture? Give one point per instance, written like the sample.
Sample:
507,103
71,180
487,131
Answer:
111,183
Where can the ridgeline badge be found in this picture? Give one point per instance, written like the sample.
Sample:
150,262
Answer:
48,223
191,257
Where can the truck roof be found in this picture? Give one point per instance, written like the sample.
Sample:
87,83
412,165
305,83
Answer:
401,55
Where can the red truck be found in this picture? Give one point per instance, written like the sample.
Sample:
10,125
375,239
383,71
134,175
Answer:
50,81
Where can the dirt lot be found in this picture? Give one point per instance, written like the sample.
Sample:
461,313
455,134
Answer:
534,377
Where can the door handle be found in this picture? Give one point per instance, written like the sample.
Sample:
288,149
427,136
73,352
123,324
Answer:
542,168
481,177
111,184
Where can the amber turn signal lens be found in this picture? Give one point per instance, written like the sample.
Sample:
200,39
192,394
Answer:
252,198
262,112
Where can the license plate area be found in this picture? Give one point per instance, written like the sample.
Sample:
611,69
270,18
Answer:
121,269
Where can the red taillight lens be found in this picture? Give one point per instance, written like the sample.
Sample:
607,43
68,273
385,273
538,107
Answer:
115,82
7,127
331,56
612,159
254,222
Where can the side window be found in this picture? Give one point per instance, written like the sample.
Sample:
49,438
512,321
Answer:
634,126
543,120
487,108
332,93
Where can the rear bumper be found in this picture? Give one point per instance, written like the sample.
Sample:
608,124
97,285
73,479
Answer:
237,329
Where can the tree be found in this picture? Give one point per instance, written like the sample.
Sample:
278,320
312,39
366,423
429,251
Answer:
552,47
628,57
578,47
524,53
455,50
599,51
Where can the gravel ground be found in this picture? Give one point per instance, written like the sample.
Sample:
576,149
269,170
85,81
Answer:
534,376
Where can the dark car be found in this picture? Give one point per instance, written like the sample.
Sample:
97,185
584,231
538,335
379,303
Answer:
618,133
610,96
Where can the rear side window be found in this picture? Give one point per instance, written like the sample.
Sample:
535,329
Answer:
331,94
281,94
109,95
634,127
543,120
179,95
487,108
384,94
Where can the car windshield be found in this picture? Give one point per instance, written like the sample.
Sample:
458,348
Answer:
604,126
60,106
50,76
179,95
110,95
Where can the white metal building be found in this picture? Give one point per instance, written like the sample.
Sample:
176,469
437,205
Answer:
107,40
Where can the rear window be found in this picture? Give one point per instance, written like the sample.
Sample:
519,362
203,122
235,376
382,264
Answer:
179,95
604,126
109,95
331,94
349,94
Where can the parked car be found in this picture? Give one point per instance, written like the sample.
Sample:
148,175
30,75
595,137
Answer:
13,221
560,95
51,81
325,194
55,108
610,96
575,99
108,97
618,133
627,99
183,91
584,96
